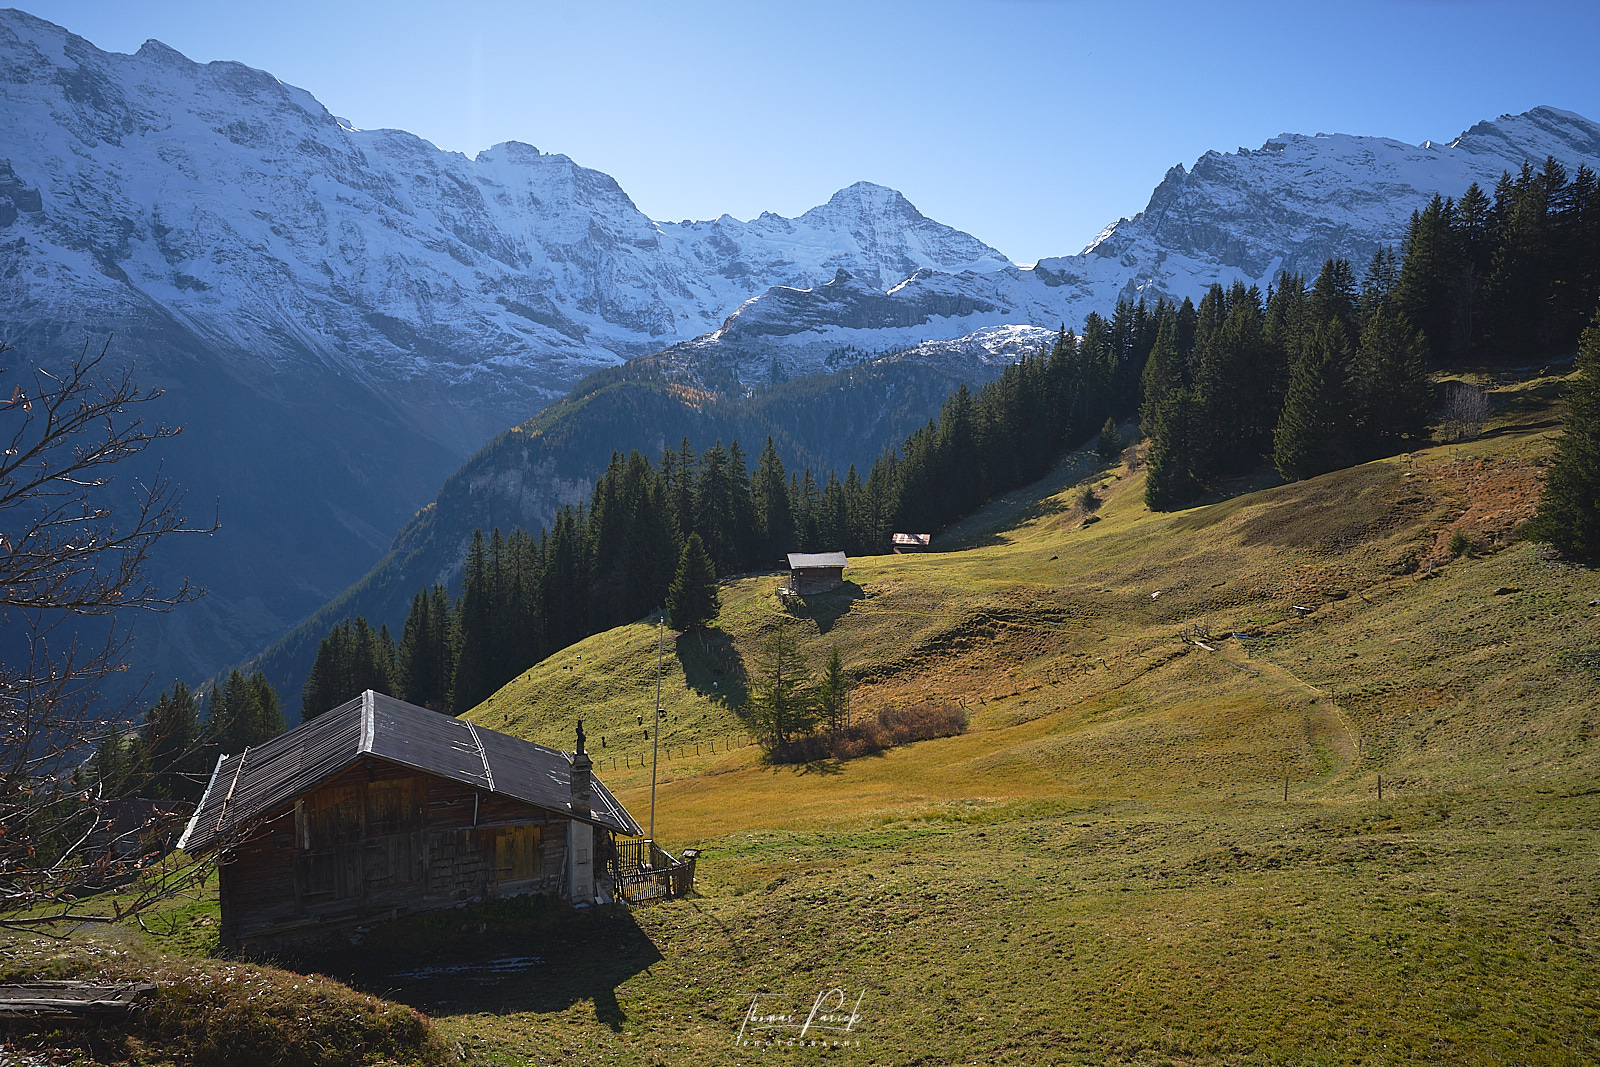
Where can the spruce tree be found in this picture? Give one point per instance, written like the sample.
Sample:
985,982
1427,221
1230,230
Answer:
782,705
1569,506
1311,435
243,712
774,510
476,613
693,598
1110,444
266,711
427,653
1390,394
833,694
331,673
1169,479
171,744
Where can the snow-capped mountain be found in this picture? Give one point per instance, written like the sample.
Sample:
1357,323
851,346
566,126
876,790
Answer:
1243,216
467,290
1298,200
341,316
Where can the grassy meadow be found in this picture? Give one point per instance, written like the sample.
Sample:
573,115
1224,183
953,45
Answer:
1160,841
1105,867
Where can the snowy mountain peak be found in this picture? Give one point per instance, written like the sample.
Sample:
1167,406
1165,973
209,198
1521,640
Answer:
1299,199
215,196
156,52
510,152
1532,136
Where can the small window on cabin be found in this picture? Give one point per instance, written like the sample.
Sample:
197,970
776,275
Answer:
391,807
516,853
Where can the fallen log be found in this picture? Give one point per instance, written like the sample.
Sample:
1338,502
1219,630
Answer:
70,999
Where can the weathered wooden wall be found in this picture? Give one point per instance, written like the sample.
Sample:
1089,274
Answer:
808,580
378,841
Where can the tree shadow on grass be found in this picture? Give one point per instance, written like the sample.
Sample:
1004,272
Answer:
712,665
503,957
823,767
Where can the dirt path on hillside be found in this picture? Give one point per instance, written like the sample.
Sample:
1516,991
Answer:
1344,740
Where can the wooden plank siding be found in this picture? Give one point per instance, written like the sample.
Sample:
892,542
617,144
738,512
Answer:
378,840
809,580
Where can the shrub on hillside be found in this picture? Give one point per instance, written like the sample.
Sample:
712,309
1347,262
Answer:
889,727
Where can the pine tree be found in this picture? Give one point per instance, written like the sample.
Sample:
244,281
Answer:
693,599
1569,506
774,509
171,745
782,706
1311,435
833,694
1110,445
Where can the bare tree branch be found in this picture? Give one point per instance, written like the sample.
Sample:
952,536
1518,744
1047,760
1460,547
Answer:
74,545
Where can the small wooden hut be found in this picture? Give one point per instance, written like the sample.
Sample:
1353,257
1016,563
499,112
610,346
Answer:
816,572
910,542
380,808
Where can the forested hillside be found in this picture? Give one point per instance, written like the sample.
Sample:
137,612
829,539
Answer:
1311,378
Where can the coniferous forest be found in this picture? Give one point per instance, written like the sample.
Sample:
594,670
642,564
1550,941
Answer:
1307,377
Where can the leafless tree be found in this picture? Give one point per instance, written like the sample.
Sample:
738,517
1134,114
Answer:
74,549
1466,409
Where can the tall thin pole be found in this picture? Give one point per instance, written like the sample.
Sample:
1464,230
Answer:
661,633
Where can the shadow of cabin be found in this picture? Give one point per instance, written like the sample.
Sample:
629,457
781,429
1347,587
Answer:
521,955
825,609
379,809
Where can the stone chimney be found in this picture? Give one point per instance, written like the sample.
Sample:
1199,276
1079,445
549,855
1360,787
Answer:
582,778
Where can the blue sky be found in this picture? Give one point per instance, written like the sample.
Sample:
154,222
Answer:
1029,123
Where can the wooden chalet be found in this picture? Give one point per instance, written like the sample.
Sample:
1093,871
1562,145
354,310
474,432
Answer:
910,542
380,808
816,572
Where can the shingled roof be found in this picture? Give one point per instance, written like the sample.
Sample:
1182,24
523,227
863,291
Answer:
259,780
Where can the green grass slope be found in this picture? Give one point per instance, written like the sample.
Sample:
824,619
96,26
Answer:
1105,867
824,421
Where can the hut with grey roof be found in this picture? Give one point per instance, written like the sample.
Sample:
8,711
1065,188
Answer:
816,572
380,808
